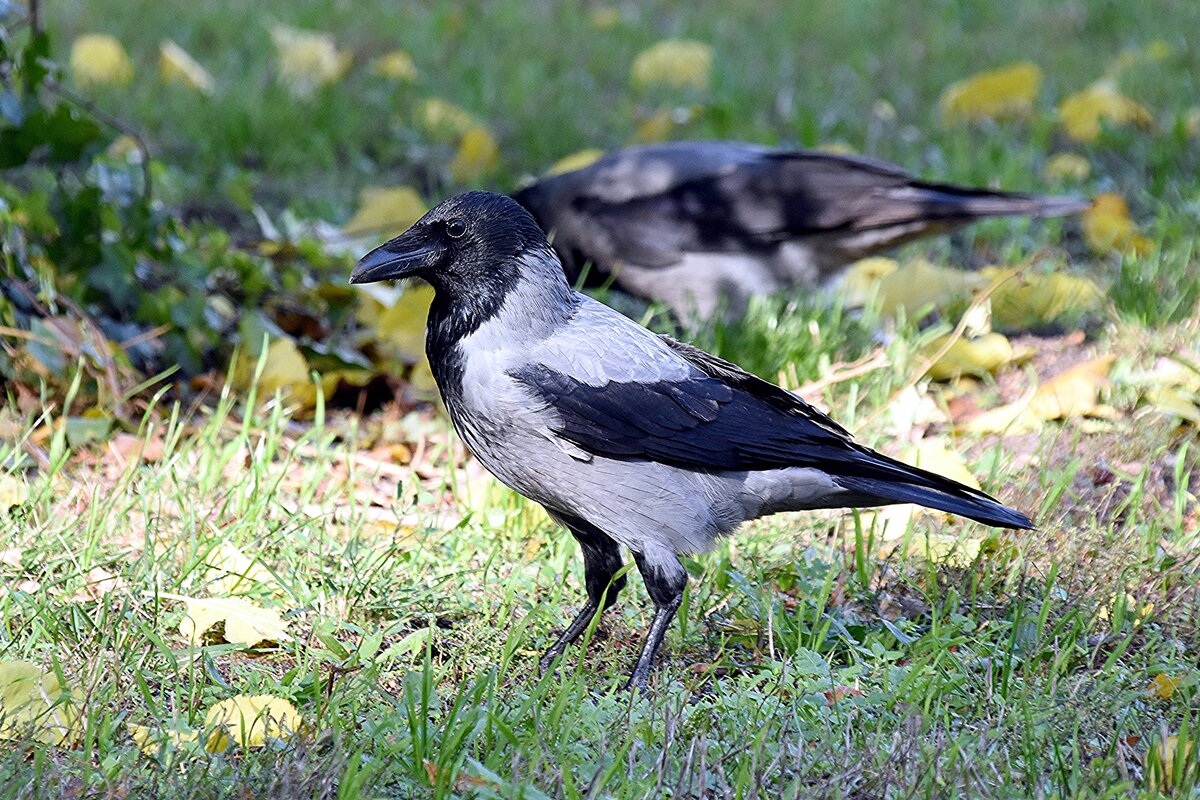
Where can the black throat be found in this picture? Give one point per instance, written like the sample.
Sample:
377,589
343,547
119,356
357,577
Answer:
457,311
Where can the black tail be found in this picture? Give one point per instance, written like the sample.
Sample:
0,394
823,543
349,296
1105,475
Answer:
884,480
952,497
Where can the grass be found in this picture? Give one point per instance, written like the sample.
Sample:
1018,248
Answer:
863,72
811,657
805,661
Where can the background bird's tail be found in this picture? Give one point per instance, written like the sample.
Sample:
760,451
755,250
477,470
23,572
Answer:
955,203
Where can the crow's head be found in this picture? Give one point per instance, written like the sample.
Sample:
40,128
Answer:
464,242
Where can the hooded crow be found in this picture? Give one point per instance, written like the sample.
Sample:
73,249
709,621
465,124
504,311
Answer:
624,436
693,223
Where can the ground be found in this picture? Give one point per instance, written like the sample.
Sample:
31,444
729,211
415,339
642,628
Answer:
815,654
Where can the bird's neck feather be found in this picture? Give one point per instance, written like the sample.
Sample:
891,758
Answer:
525,298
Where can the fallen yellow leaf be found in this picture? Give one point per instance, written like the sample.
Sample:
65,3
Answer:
14,491
476,155
231,571
35,704
1168,761
919,284
397,65
1107,227
353,378
1163,686
1029,301
421,382
245,622
858,283
149,740
1082,113
97,59
656,127
953,551
400,329
1172,386
891,526
969,356
574,161
1071,394
936,455
285,370
1132,608
1009,418
995,94
385,210
673,62
445,120
248,721
1175,402
308,60
175,65
891,523
1067,166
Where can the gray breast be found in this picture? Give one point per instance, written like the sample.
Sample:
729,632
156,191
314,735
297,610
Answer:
641,504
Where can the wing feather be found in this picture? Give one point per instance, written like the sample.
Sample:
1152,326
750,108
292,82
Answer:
699,421
690,409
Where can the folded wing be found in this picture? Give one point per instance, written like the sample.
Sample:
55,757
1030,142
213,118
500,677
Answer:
717,417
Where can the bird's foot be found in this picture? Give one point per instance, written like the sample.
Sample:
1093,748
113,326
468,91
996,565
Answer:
573,632
551,655
638,679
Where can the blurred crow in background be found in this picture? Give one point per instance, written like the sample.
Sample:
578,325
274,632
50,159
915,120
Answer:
624,436
693,223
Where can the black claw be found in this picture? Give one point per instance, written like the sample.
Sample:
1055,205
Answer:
573,632
548,658
638,679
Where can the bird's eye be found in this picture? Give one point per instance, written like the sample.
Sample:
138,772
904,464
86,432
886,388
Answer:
456,228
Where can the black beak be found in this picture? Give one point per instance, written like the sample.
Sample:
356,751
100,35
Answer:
408,254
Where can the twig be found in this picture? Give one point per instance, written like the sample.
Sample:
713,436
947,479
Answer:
846,372
35,17
38,454
29,336
144,336
99,342
113,122
101,345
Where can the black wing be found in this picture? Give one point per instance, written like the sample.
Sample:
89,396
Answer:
718,418
721,418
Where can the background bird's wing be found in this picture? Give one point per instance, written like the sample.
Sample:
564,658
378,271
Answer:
651,205
626,208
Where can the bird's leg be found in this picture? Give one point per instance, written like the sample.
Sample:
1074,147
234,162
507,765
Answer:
665,580
601,562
